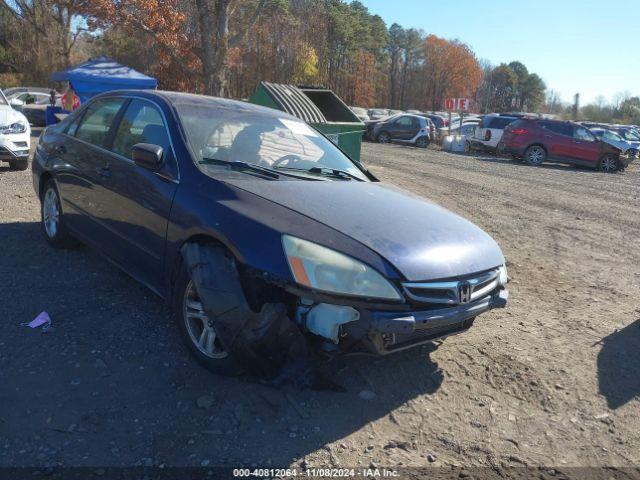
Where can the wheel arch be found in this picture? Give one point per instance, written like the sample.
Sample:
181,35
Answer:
44,178
203,238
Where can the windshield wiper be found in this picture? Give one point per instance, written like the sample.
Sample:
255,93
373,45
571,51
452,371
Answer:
335,172
325,172
240,165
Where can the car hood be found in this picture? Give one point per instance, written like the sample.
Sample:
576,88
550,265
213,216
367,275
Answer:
8,115
421,239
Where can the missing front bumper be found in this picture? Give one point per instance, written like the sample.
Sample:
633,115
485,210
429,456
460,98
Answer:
393,331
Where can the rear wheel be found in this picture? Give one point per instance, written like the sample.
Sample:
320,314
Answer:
535,155
467,146
19,164
52,218
609,163
422,142
383,137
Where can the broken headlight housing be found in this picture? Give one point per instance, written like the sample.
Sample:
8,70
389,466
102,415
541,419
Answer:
321,268
18,127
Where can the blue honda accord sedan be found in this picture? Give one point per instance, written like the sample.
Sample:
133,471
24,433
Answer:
255,226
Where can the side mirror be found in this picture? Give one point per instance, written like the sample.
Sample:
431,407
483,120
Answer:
16,102
147,155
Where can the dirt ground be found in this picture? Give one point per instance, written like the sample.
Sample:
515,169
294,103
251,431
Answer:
553,380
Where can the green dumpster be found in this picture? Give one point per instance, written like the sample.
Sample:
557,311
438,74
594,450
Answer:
320,108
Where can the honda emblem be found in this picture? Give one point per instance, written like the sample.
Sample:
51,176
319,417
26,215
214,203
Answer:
464,292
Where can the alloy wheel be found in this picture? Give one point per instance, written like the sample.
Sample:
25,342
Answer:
609,163
422,143
201,330
536,155
383,138
51,213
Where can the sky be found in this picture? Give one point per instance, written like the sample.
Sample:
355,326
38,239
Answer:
591,47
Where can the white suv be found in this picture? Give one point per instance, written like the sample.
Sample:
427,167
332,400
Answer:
15,136
487,135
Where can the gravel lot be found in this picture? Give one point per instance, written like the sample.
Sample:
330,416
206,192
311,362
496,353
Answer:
552,380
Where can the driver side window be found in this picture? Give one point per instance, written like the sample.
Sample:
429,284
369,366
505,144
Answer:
404,122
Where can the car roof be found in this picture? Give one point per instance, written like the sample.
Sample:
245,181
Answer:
175,98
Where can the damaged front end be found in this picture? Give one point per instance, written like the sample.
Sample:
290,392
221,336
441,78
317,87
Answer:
385,329
345,305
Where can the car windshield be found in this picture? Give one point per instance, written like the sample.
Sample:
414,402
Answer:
358,111
629,135
613,136
3,99
245,135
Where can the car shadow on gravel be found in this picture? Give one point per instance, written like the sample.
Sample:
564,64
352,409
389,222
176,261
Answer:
547,165
112,383
619,364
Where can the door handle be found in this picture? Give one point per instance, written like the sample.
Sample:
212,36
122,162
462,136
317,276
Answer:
104,172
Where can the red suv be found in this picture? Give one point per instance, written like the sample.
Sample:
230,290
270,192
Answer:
536,140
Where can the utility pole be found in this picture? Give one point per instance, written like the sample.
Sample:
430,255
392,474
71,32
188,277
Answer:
576,105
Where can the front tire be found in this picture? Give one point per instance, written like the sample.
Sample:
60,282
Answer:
535,155
19,164
609,163
197,330
52,219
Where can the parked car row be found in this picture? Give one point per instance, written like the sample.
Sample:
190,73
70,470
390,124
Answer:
32,102
532,139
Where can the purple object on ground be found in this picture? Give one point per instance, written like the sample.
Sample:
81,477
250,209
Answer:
41,319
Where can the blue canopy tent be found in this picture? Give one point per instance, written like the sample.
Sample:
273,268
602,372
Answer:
102,74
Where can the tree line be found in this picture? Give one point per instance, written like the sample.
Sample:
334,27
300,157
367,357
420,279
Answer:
225,47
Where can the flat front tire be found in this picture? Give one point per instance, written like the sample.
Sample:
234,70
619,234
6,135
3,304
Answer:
52,219
535,155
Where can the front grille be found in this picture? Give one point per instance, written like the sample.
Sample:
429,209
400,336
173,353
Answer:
449,292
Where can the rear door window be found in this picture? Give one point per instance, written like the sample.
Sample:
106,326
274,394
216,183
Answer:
141,123
96,122
558,128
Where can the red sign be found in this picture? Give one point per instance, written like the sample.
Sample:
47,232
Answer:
450,104
463,104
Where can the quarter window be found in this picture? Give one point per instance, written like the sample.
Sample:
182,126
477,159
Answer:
499,123
141,123
95,124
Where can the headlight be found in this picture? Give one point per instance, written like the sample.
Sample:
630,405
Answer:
503,277
17,127
321,268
